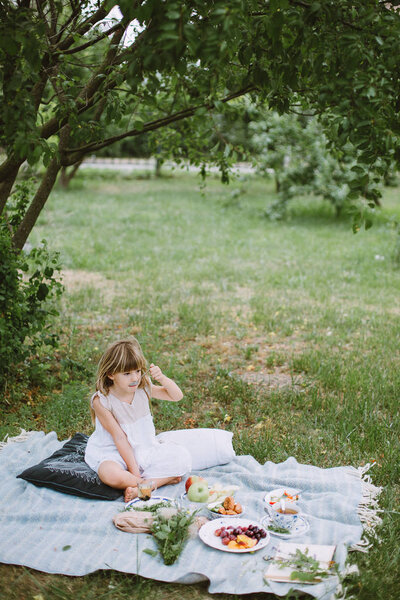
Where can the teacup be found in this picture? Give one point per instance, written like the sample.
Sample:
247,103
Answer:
285,515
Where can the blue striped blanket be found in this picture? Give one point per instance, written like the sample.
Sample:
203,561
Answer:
58,533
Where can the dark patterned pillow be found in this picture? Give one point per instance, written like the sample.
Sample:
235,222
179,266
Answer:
66,471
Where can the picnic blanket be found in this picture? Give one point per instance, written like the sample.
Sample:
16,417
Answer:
58,533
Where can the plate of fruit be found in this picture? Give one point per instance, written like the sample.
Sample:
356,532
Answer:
226,507
238,535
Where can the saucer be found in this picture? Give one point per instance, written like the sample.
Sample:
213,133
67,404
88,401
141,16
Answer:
301,527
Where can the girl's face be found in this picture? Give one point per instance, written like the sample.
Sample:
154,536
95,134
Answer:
126,382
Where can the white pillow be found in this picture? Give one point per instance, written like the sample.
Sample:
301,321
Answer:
207,447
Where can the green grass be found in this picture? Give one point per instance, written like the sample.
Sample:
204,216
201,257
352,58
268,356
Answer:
227,302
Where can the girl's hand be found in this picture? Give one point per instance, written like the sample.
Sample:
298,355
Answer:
156,373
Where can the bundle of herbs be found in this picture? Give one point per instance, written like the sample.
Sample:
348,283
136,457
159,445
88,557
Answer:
306,568
170,530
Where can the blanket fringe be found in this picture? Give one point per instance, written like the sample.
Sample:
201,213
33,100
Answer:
21,437
368,510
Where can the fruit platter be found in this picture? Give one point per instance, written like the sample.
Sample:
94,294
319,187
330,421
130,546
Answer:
238,536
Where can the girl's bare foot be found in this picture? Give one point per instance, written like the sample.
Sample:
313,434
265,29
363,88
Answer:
175,480
167,481
130,493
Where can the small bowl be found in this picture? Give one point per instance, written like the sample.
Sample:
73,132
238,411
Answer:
217,515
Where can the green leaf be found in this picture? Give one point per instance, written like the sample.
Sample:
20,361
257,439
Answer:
67,547
368,223
150,552
42,291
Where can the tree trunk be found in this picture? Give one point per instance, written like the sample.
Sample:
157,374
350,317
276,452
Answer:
66,177
7,184
159,164
39,200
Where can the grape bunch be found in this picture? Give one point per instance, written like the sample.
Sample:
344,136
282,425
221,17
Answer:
255,532
230,533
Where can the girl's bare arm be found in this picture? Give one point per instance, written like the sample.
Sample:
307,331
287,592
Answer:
168,390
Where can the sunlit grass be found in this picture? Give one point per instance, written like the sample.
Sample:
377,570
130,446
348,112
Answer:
286,333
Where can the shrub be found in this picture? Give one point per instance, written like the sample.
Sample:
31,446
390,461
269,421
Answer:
295,150
28,288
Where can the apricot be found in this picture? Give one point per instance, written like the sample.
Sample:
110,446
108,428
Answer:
246,541
229,503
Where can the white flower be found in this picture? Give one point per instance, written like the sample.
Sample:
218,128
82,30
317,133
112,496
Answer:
166,512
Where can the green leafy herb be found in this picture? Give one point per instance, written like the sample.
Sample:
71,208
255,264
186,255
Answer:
277,529
306,568
150,551
171,534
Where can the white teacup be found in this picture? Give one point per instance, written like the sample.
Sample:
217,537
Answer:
285,515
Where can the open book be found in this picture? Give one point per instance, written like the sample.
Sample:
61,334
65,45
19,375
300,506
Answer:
302,563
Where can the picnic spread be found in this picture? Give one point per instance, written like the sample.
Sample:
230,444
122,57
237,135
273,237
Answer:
243,526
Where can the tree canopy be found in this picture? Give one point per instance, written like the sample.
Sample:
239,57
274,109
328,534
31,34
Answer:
70,68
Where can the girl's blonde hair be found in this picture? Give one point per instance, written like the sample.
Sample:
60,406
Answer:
121,357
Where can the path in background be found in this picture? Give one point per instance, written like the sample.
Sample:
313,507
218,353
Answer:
144,164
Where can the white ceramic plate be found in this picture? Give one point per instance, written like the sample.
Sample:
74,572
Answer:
137,502
276,495
207,535
301,527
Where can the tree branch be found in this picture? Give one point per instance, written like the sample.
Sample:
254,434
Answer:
53,19
152,125
75,12
83,28
90,42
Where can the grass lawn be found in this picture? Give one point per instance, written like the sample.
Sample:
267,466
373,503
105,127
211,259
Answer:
286,333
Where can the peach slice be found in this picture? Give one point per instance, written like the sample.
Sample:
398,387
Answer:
246,541
235,546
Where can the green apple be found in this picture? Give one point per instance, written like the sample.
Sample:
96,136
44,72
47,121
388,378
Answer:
198,491
190,481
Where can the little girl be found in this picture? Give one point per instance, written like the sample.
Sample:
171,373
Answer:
123,449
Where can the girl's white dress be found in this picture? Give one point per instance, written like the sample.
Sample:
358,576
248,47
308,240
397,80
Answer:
154,458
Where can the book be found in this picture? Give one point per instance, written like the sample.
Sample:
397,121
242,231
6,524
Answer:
301,563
